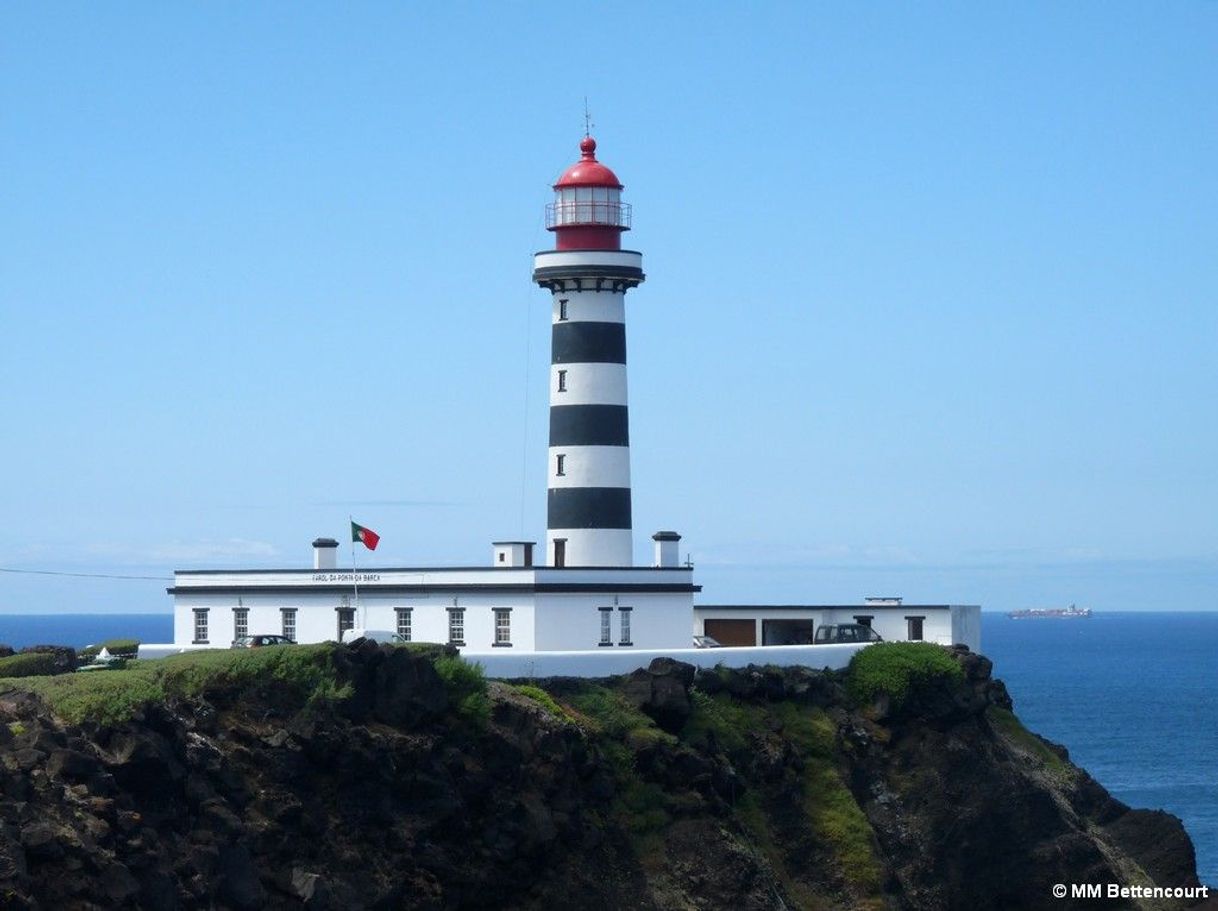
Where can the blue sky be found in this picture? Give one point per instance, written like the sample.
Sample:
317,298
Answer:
930,306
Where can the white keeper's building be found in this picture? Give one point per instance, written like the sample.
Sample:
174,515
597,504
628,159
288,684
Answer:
582,594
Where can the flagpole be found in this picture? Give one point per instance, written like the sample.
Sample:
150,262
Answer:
354,572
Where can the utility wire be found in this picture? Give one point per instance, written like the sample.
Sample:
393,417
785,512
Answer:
49,572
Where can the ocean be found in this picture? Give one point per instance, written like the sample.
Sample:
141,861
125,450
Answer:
1132,695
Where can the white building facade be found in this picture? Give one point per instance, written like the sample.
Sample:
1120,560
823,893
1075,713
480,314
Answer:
508,605
747,625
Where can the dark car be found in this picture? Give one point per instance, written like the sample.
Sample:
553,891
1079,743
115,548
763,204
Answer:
845,632
260,640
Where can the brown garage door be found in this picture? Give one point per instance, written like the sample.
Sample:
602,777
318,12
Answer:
732,632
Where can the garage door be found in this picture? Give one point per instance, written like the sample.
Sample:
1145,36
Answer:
732,632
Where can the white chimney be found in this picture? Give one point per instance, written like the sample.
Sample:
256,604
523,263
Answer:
512,554
325,553
666,548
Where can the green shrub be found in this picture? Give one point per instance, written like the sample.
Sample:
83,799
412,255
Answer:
88,653
306,671
466,687
127,648
898,668
29,664
107,698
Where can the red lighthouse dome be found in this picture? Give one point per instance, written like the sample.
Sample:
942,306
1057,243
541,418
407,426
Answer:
588,212
588,172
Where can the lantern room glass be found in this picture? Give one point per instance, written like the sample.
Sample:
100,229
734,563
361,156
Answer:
589,206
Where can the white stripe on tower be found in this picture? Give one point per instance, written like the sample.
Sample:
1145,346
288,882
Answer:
588,274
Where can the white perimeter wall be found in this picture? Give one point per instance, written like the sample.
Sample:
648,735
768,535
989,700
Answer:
607,662
966,625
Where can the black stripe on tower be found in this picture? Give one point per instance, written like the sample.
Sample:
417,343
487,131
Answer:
588,343
588,507
589,425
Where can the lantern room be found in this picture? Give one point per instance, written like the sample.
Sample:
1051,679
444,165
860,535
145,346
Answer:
588,212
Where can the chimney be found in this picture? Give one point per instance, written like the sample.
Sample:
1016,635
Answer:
325,553
666,548
513,554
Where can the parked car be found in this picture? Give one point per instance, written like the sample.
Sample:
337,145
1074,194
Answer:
376,635
260,640
845,632
707,642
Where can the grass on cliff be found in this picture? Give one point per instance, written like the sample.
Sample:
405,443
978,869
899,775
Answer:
836,819
1010,727
465,685
110,697
898,668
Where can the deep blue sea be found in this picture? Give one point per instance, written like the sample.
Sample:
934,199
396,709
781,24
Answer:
1133,696
79,630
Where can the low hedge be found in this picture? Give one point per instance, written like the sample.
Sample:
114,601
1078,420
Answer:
30,664
120,648
124,648
898,669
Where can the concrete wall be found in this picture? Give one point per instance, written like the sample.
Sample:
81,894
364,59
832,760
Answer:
607,662
966,625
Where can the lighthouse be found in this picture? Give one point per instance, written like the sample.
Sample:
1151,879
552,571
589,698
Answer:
588,273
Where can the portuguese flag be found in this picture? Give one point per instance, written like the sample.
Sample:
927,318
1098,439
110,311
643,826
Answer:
366,536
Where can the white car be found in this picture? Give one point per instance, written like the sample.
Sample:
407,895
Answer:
376,635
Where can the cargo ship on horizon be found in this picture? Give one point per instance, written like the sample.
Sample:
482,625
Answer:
1051,613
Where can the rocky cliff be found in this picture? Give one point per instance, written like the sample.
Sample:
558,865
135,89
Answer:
379,777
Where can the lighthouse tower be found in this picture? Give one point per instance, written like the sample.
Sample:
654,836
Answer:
588,274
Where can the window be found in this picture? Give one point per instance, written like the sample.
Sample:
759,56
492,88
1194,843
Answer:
625,621
562,381
914,628
288,616
456,626
346,620
606,626
200,625
560,467
560,552
404,622
864,619
241,622
562,309
503,626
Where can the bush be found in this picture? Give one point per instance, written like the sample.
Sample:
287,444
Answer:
124,648
466,687
898,668
30,664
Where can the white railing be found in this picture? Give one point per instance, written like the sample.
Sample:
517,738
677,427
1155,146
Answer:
588,212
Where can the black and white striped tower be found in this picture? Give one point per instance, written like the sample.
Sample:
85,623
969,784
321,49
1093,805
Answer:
588,274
